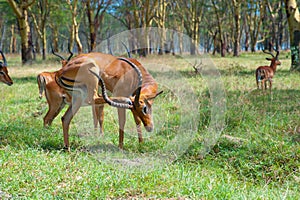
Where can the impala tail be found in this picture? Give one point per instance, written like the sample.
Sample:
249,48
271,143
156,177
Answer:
41,84
261,74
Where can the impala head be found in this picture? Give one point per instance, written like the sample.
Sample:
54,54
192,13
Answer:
4,77
142,107
144,95
274,60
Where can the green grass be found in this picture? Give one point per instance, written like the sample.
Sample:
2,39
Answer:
257,156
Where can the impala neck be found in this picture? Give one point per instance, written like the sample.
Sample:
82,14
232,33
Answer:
273,66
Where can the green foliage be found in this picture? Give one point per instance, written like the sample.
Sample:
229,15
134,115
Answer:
256,158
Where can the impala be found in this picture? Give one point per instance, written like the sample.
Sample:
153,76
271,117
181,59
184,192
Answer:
55,95
266,73
4,77
129,81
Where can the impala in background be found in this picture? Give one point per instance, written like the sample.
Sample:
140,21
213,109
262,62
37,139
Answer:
265,74
4,77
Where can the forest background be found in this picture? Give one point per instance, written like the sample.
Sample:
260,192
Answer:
215,26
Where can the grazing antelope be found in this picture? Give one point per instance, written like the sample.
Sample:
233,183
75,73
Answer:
130,82
266,73
55,95
4,77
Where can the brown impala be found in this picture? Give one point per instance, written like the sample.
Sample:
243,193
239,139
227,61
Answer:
266,73
130,82
4,77
55,95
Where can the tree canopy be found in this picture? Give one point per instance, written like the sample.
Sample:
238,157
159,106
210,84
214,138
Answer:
215,26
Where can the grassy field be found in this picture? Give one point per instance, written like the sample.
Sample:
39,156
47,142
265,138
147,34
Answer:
256,157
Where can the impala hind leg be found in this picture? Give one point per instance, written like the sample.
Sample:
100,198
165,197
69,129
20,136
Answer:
270,81
54,110
66,119
262,84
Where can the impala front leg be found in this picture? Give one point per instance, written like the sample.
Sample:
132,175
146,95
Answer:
138,123
98,118
122,120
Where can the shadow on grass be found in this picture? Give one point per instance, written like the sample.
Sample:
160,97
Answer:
25,133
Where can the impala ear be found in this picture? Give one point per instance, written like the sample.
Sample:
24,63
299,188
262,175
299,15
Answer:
268,59
150,98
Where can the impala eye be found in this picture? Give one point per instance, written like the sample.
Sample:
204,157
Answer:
145,110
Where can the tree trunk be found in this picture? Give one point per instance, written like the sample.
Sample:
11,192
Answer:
55,38
3,36
161,13
220,30
74,32
293,17
95,12
21,11
13,40
237,30
255,18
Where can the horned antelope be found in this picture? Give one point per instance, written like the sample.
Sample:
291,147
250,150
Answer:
266,73
55,95
127,79
57,98
4,77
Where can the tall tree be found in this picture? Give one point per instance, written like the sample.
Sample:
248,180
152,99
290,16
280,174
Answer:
293,17
95,12
237,23
74,33
143,16
20,9
219,9
39,16
60,24
160,19
255,16
191,12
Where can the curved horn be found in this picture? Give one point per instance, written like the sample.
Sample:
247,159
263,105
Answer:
128,52
56,53
105,96
4,59
277,53
140,79
71,53
267,52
